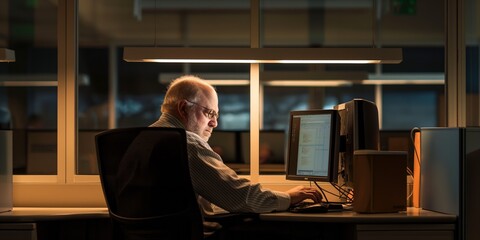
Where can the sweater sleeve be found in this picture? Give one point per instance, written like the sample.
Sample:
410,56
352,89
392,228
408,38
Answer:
216,182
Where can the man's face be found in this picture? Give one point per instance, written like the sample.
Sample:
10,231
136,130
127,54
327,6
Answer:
199,122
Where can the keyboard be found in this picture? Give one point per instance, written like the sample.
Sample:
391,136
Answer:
311,207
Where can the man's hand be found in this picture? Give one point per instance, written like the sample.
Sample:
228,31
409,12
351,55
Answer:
300,193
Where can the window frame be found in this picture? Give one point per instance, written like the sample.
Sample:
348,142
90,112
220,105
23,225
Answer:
69,189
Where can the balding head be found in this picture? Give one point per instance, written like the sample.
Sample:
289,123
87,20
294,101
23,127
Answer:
187,87
195,103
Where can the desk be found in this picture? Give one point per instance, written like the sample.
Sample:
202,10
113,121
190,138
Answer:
412,224
92,223
55,223
34,214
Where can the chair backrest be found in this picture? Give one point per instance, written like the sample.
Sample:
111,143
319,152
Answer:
146,183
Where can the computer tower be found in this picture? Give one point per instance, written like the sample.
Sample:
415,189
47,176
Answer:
450,175
6,139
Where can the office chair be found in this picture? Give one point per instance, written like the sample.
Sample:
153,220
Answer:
146,183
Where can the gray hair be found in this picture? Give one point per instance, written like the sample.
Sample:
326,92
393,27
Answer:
186,87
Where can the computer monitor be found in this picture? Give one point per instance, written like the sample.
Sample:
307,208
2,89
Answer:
313,140
359,129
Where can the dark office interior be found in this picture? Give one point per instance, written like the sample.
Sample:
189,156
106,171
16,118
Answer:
69,82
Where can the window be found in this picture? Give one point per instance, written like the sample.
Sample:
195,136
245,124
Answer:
28,87
111,93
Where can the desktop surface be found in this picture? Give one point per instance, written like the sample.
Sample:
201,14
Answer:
33,214
412,215
413,224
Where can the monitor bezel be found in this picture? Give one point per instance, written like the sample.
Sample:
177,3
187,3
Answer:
291,156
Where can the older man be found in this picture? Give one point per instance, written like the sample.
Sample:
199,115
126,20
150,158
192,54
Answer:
192,104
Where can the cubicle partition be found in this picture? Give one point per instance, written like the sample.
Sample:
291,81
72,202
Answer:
450,167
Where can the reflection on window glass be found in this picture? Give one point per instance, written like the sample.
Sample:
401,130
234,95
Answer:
28,95
472,61
272,146
234,106
405,108
87,159
473,84
31,114
139,88
92,105
279,101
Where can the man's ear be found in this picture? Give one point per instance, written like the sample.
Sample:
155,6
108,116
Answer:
182,109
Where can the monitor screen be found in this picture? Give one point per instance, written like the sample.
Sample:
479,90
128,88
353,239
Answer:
313,137
359,130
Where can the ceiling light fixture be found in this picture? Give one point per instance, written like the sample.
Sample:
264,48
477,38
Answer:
7,55
263,55
371,55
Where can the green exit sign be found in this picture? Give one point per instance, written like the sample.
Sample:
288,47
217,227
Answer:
404,7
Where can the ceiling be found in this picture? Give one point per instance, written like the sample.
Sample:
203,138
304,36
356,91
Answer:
227,23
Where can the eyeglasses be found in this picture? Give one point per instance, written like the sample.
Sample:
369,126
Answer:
209,113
